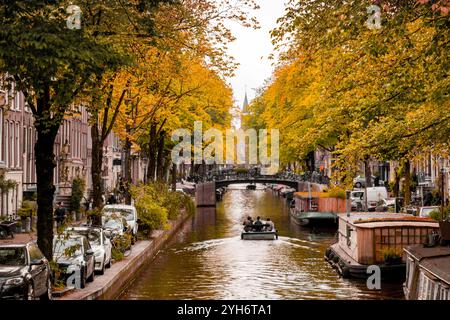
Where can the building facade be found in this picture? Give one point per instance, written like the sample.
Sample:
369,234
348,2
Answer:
72,150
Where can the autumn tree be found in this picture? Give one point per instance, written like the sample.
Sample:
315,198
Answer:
358,91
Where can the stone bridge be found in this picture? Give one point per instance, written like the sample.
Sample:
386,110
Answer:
205,192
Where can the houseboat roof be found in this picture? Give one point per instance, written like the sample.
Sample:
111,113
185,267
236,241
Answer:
385,219
435,260
307,195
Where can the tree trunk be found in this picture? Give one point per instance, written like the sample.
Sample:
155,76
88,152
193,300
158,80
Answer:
151,168
407,185
45,164
160,157
311,162
166,165
174,177
367,172
396,184
96,170
127,170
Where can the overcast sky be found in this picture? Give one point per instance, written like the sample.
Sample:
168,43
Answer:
252,49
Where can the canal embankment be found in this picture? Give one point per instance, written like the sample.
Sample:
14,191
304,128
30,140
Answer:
122,273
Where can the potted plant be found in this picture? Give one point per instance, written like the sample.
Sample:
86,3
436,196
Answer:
25,213
18,226
392,256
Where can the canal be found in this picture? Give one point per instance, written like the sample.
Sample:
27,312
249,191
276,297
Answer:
207,259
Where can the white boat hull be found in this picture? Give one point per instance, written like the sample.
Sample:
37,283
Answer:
269,235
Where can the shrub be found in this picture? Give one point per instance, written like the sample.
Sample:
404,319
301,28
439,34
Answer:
78,186
173,203
94,216
156,203
336,192
27,209
437,215
152,215
391,254
241,171
188,204
120,245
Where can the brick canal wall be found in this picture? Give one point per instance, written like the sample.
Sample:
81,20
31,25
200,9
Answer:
122,273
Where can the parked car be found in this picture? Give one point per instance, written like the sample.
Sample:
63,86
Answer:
374,196
73,253
357,198
360,181
114,225
24,273
425,211
128,212
100,244
386,205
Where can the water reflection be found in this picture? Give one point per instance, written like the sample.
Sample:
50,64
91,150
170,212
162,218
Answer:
207,259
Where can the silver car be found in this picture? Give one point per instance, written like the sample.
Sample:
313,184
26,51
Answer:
100,244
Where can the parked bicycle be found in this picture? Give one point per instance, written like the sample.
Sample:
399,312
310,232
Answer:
6,229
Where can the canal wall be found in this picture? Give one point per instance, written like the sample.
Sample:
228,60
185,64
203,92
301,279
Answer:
205,194
122,273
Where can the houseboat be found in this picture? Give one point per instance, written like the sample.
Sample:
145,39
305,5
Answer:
376,238
427,273
316,208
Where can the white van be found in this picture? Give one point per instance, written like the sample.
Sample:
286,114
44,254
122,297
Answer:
374,195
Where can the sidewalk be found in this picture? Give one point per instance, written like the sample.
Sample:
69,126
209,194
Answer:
25,237
19,238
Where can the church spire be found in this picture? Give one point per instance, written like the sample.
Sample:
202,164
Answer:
245,105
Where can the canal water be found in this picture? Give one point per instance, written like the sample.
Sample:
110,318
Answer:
208,260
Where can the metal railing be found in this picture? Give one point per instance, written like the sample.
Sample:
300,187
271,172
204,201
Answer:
313,177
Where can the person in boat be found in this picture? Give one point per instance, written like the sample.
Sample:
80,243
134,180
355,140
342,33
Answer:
269,225
258,225
248,224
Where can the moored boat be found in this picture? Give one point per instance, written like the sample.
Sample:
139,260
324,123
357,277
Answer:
316,208
377,238
428,273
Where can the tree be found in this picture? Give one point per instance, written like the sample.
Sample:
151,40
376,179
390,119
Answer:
357,92
51,65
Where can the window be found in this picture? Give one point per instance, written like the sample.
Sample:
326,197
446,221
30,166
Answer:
410,268
35,253
11,145
17,97
17,137
7,154
349,235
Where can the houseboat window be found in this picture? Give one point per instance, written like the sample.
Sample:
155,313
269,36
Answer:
314,205
410,268
348,235
426,287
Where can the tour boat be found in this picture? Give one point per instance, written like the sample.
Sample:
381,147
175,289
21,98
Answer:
376,238
259,235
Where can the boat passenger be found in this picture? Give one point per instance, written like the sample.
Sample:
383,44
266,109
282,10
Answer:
248,224
269,225
258,225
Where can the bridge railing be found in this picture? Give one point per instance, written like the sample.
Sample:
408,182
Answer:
313,177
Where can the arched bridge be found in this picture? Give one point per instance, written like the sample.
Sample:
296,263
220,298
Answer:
205,192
